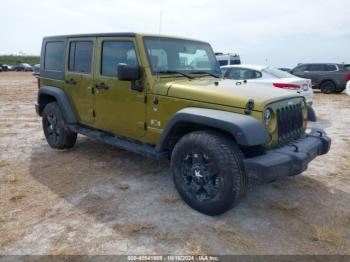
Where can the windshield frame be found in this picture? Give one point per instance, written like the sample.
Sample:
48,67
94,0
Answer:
156,73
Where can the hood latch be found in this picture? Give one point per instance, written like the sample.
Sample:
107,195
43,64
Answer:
249,107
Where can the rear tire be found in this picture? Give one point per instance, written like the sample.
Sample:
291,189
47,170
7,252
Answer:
208,172
56,131
340,90
328,87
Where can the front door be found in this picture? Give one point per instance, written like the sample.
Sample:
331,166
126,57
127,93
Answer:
119,109
79,77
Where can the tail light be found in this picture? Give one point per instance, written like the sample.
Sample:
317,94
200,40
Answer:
347,77
286,86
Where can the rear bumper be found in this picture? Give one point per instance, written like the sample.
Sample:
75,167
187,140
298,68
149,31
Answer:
289,160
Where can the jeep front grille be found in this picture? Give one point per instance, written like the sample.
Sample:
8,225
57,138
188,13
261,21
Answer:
289,123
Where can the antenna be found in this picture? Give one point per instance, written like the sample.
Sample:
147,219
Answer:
160,21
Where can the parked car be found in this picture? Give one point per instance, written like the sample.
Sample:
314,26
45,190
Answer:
3,67
36,70
328,77
228,59
270,77
23,67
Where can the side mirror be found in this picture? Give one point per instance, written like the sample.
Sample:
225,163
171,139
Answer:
129,72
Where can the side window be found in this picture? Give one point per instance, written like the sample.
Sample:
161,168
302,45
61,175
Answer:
54,56
234,73
235,62
316,67
257,74
223,62
223,71
80,56
300,69
114,53
242,74
330,68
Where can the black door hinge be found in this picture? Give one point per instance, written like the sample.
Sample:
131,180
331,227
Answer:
145,125
145,99
93,113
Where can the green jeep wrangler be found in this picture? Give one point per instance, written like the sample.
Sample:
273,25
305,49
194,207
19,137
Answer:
164,97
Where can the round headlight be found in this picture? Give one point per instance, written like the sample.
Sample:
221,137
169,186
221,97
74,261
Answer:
267,116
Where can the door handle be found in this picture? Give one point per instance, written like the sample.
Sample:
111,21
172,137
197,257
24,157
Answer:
101,86
71,82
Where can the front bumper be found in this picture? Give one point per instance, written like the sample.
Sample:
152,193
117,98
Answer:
289,160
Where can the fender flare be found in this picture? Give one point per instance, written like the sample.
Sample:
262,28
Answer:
62,100
247,130
311,115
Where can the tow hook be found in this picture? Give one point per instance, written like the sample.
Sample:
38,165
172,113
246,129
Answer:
296,149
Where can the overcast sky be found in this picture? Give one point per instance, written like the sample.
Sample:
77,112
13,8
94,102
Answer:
278,33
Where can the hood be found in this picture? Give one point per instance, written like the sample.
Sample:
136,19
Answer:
223,92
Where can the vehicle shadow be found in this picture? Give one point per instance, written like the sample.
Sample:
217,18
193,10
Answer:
135,195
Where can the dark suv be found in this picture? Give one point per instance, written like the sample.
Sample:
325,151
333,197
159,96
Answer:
328,77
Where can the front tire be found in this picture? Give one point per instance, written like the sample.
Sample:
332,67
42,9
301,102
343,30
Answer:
208,172
56,131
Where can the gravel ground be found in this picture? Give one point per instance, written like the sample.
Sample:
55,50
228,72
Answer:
96,199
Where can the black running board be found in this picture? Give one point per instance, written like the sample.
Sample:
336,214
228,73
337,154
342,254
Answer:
143,149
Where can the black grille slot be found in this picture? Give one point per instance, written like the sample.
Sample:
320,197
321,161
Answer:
289,123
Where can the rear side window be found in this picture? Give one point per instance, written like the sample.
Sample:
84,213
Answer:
114,53
54,56
330,68
347,67
80,56
300,69
314,68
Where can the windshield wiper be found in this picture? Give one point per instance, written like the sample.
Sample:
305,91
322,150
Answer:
205,72
175,72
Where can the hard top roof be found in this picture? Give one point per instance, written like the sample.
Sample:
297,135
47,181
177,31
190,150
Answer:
125,34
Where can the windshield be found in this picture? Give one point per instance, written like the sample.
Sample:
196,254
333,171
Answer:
277,73
168,55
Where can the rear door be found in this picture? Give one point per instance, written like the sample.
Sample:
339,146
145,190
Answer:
119,109
79,77
316,73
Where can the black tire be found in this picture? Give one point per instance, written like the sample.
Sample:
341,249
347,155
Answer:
328,87
56,131
208,172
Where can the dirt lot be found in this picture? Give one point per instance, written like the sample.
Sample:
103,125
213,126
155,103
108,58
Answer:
96,199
